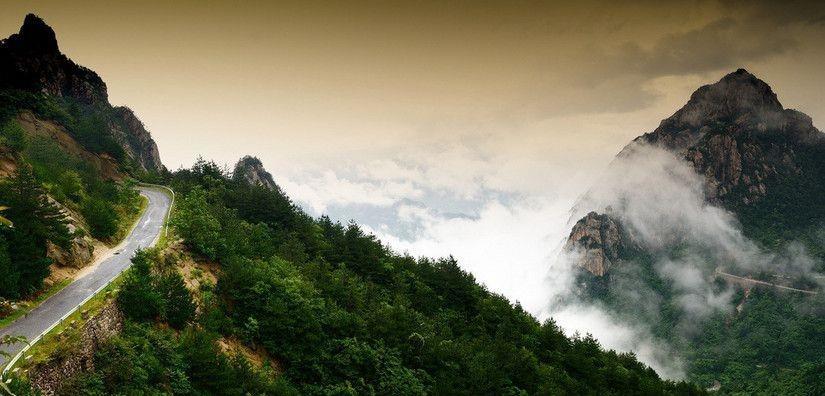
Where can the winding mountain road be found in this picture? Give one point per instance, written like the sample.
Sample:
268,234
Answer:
41,319
755,282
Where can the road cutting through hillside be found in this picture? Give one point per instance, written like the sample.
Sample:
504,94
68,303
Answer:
49,313
749,281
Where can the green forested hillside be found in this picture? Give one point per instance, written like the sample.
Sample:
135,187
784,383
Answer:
337,312
46,175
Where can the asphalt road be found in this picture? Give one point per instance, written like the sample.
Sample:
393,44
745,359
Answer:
145,234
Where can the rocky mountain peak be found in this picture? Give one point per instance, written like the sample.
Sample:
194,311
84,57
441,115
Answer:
36,35
739,101
738,137
736,133
31,61
738,94
251,170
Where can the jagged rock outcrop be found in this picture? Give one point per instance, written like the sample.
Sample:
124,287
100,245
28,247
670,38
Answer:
80,249
598,240
251,170
78,255
31,61
132,135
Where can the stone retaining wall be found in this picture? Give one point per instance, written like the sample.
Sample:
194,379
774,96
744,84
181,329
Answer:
49,376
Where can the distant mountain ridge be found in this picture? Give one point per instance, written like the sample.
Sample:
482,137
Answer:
31,61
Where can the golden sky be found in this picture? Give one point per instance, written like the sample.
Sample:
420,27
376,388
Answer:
292,81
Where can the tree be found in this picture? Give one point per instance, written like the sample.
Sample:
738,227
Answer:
36,221
101,216
138,297
180,308
198,226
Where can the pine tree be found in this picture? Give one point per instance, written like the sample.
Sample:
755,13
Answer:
36,220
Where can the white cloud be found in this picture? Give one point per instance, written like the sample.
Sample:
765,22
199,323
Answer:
320,191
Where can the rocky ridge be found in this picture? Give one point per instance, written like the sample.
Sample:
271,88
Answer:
31,61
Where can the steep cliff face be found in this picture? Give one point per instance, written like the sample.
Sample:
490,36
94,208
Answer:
598,241
132,135
736,134
251,170
31,61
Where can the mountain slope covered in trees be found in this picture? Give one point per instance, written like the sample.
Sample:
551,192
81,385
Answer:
337,312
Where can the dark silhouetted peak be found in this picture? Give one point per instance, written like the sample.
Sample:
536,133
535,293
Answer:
36,35
31,61
250,170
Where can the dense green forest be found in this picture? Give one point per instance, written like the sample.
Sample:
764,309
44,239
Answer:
772,344
337,312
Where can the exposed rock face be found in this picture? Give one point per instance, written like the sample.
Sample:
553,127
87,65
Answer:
79,253
598,240
31,61
737,134
135,139
251,170
740,168
80,250
49,376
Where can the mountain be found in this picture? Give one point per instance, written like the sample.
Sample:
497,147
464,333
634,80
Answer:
31,62
708,233
737,134
66,158
759,160
250,170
